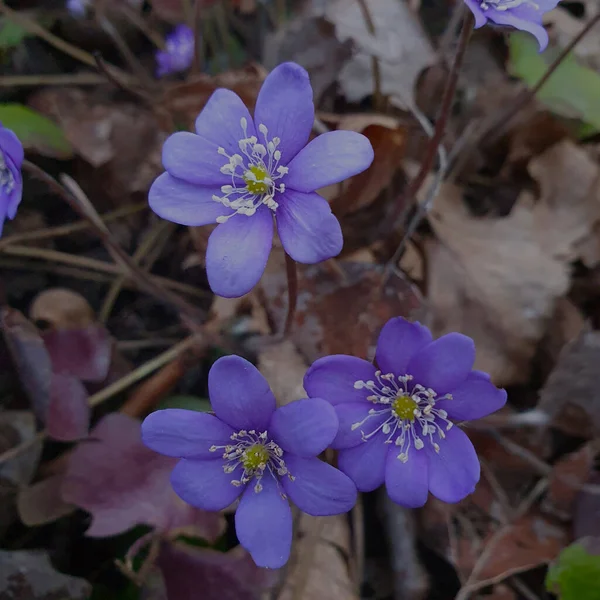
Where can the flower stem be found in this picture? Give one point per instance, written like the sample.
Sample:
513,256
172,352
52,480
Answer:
440,125
292,280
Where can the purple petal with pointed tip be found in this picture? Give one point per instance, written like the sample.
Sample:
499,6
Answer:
365,463
350,413
407,483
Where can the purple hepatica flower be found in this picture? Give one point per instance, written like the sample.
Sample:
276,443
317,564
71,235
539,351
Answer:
239,172
178,53
252,450
78,8
522,14
11,182
396,423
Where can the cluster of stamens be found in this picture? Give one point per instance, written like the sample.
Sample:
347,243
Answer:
409,413
254,174
7,181
503,5
255,454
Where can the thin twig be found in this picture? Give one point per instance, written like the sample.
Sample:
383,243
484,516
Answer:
377,95
62,79
440,125
292,281
136,19
120,83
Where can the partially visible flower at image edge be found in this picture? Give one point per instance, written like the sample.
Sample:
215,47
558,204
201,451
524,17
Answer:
253,450
78,8
241,172
397,421
525,15
178,54
11,181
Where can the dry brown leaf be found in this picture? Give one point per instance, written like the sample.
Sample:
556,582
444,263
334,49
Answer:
319,564
586,516
42,503
399,43
571,395
490,279
61,308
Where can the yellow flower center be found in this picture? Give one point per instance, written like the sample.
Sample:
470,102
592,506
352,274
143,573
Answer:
404,407
255,180
256,456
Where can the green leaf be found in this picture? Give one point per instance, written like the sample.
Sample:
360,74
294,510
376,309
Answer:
573,90
575,575
11,34
188,402
35,131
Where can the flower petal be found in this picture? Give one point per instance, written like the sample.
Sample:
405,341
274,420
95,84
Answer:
185,433
454,471
15,197
263,523
185,203
365,463
204,484
444,364
332,378
285,106
477,397
308,230
480,18
11,146
189,157
398,342
350,413
239,394
407,483
304,427
237,253
525,18
219,123
329,158
318,489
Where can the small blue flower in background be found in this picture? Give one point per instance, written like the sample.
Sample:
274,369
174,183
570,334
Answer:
253,450
11,182
240,172
525,15
396,423
178,54
78,8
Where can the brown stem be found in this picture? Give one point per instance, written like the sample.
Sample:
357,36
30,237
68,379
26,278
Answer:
85,210
377,96
440,125
292,280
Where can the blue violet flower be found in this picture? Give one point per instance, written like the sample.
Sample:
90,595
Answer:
397,421
525,15
241,172
252,449
11,182
178,54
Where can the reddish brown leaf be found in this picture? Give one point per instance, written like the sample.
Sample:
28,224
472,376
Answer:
586,516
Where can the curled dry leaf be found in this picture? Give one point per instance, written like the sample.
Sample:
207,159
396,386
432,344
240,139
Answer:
61,308
571,395
399,43
30,576
319,565
122,483
30,357
341,305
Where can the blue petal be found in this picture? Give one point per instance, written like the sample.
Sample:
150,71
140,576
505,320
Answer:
239,394
304,427
318,489
11,146
263,523
407,483
219,123
454,471
285,106
237,253
329,158
185,203
309,232
332,378
350,413
398,342
525,18
365,463
204,484
190,157
185,433
480,18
